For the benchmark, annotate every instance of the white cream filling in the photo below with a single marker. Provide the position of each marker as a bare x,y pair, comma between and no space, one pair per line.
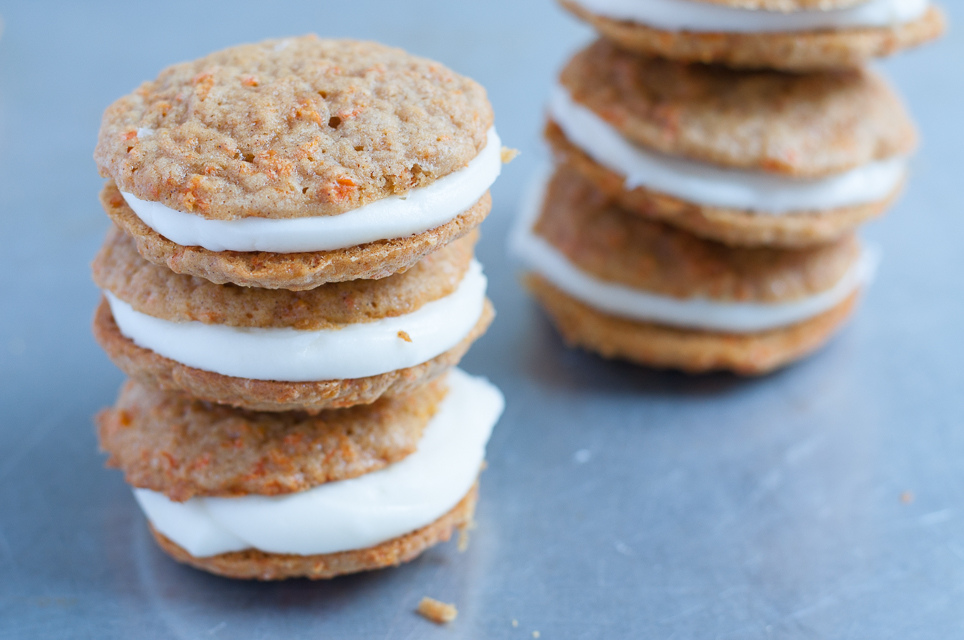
418,211
293,355
348,514
693,313
709,185
695,16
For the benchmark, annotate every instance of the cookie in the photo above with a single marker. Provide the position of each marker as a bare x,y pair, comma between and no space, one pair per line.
627,287
741,157
156,291
251,564
693,351
155,370
291,128
293,163
797,39
183,447
598,237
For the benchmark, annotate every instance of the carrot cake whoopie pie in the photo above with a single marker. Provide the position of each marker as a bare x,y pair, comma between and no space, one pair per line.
745,158
631,288
290,281
791,35
292,163
278,495
336,345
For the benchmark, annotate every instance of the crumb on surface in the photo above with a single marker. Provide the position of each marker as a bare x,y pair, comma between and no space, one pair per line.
515,623
907,497
535,634
404,336
436,611
508,154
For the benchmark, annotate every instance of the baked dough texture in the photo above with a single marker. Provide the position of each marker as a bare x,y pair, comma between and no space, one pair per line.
294,271
159,292
736,227
183,447
799,52
155,370
252,564
692,351
605,241
785,5
805,126
292,128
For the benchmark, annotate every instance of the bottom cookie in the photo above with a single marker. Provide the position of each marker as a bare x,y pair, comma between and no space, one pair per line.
252,564
693,351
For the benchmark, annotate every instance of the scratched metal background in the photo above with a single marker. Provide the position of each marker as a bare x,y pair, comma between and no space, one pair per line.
618,502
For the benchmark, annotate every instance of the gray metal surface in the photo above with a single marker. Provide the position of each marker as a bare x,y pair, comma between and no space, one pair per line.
618,502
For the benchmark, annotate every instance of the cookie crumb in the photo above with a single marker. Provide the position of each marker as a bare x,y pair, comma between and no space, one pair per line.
907,497
508,155
515,623
535,634
437,612
404,336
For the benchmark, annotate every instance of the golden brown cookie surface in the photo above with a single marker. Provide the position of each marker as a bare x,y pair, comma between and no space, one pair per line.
159,292
270,395
292,128
784,5
803,51
803,126
294,271
661,346
252,564
735,227
182,447
613,245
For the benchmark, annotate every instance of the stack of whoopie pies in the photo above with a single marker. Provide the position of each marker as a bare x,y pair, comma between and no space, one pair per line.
289,283
713,159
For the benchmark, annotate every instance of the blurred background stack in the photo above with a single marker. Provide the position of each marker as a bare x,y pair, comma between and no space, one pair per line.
712,163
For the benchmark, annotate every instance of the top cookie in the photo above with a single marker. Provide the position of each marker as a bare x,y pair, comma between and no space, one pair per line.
804,126
292,128
786,5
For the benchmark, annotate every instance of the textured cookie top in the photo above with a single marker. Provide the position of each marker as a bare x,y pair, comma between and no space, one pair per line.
785,5
161,293
800,125
183,448
292,128
617,246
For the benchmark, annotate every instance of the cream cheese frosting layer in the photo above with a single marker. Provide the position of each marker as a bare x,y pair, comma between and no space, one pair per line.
294,355
710,185
619,300
348,514
417,211
706,17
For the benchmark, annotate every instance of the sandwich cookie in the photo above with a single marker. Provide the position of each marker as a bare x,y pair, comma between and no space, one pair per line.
333,346
279,495
744,158
626,287
791,35
293,163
